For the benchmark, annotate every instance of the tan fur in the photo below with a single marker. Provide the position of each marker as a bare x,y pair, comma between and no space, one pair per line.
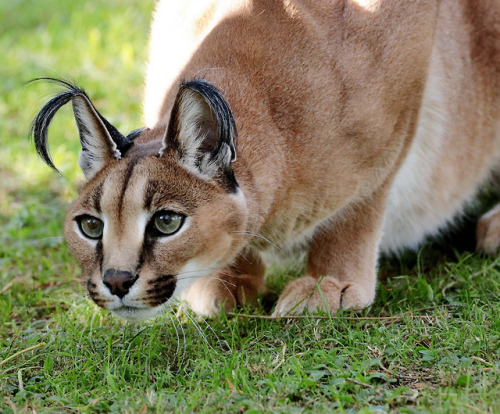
354,118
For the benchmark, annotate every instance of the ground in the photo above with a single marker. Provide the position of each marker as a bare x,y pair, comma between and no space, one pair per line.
430,343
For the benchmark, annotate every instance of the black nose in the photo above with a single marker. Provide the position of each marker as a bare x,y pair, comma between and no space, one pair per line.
118,282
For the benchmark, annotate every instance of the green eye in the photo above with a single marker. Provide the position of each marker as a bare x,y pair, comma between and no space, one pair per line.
167,222
91,227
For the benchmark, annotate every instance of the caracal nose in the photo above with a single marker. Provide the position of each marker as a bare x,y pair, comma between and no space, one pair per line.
119,282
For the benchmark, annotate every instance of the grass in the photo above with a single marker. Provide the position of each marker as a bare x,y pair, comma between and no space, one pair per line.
58,353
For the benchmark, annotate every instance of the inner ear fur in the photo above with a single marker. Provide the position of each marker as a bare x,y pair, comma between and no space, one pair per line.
98,146
202,130
100,141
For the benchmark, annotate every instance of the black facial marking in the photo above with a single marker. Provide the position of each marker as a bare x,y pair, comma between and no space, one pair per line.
128,174
142,257
96,197
98,252
162,279
162,289
148,245
151,190
140,263
163,293
94,295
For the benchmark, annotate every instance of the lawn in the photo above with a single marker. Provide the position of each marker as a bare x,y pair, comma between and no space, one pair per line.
430,343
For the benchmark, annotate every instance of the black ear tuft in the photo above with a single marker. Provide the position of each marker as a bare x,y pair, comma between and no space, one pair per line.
40,125
89,121
135,133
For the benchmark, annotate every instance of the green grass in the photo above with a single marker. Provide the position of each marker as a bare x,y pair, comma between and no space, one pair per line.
88,361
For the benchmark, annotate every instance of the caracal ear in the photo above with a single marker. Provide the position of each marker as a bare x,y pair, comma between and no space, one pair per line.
100,140
202,132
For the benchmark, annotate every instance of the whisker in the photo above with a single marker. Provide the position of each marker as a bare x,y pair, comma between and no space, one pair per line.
229,290
188,277
204,272
260,236
211,329
227,274
208,269
196,276
176,333
198,328
225,281
183,334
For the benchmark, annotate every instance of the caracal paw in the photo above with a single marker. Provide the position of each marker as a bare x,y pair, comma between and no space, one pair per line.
488,232
324,294
209,295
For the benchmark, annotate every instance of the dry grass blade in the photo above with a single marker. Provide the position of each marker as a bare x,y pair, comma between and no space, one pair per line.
31,348
409,314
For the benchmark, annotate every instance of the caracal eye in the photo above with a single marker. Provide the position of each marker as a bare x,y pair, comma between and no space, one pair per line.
91,227
167,222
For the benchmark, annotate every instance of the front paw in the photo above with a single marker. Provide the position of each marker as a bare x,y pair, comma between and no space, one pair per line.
488,232
209,295
328,295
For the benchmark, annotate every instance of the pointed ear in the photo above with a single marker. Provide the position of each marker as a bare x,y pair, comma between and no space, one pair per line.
202,131
100,140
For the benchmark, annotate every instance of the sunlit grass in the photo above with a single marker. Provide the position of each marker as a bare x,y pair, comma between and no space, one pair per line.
102,46
88,361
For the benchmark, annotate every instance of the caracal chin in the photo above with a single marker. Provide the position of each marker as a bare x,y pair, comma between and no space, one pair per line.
346,127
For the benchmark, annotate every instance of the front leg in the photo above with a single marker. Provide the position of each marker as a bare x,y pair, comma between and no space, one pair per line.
225,289
341,267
